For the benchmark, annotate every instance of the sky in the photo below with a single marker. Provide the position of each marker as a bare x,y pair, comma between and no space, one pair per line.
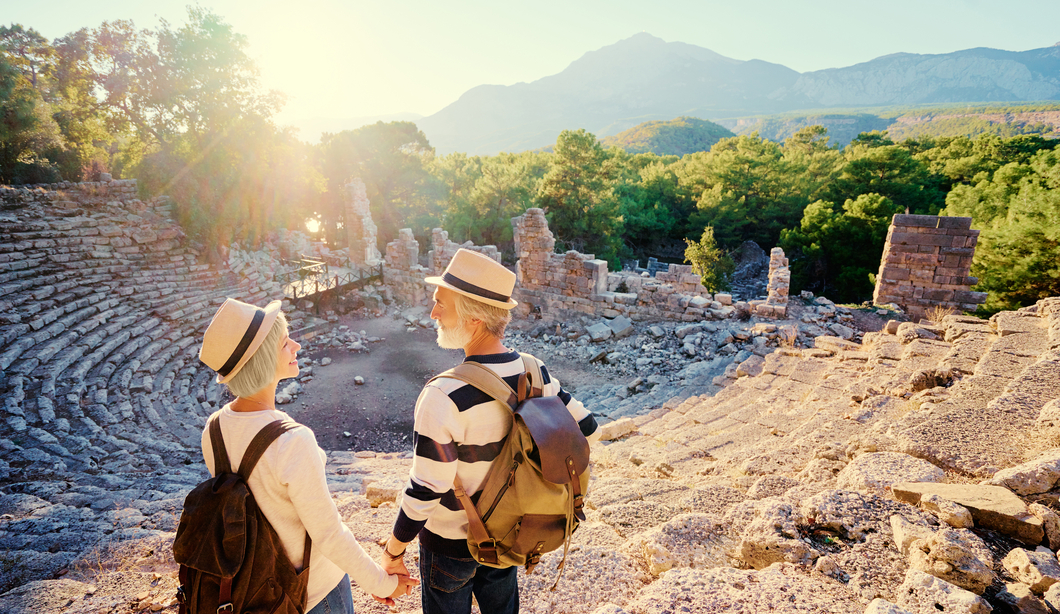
337,60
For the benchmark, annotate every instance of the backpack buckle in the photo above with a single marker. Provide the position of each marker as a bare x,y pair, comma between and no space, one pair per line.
226,607
181,597
488,553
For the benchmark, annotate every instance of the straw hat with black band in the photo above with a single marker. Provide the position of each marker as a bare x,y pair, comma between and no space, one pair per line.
234,334
478,277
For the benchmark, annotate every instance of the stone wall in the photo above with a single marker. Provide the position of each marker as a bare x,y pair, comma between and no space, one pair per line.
443,250
776,303
402,270
570,284
71,195
360,229
925,264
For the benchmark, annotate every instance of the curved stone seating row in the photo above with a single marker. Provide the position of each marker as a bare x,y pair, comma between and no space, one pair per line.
98,341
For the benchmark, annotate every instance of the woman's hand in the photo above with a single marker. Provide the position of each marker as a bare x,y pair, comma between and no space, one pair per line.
404,587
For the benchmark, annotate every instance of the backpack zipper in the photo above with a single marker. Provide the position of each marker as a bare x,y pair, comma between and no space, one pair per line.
504,489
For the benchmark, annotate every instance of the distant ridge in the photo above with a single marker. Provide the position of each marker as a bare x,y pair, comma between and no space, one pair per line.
675,137
644,78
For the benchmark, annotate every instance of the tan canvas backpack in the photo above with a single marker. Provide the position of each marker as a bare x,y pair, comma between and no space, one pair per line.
531,499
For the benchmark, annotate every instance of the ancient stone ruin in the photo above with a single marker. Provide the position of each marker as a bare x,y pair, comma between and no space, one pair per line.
926,263
776,303
360,229
914,471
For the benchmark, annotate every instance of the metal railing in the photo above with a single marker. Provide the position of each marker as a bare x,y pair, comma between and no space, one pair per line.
312,277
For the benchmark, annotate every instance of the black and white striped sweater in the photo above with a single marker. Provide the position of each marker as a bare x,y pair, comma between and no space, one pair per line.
459,430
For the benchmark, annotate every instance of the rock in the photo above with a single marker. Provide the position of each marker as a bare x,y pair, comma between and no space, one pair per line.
1050,522
598,355
621,327
724,299
876,471
613,358
1052,596
891,327
384,490
656,331
772,536
325,361
1038,570
882,606
609,608
945,556
1021,599
1030,478
905,533
358,380
843,332
771,486
750,367
780,588
908,332
992,507
1049,416
947,511
923,592
617,429
688,540
599,332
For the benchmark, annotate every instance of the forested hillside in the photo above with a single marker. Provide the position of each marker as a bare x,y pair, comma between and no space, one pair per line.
677,137
910,122
148,104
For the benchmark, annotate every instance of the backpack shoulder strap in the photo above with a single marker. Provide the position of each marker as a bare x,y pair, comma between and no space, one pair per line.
261,442
533,371
221,464
485,380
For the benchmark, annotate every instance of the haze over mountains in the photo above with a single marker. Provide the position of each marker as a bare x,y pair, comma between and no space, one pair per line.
645,78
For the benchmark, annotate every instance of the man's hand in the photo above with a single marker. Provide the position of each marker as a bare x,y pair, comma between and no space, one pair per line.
390,564
404,587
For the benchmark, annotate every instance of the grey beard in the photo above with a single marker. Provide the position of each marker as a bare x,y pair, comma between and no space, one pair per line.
451,339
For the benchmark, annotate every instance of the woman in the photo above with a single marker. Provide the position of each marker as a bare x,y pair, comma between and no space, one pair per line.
251,351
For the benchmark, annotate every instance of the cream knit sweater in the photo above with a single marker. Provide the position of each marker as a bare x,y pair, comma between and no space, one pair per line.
290,487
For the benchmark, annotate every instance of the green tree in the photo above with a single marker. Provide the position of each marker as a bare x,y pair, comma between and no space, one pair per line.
579,199
392,159
888,170
835,253
748,190
710,262
1018,214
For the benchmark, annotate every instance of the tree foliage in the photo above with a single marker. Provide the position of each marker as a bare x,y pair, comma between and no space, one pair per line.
710,262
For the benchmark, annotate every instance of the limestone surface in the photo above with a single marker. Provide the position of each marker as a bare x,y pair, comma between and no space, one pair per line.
877,471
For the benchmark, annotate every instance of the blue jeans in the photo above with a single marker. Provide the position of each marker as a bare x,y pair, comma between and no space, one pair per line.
447,583
338,601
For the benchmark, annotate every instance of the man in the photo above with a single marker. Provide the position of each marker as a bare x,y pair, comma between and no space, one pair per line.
459,430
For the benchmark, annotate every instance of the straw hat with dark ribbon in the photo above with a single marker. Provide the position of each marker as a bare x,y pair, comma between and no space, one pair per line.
234,334
478,277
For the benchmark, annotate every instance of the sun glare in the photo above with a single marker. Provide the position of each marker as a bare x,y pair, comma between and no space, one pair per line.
313,226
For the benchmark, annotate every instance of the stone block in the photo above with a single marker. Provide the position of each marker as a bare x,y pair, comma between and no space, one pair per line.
993,507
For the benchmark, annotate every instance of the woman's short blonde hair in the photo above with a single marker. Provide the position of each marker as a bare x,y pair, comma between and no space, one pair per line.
493,318
260,370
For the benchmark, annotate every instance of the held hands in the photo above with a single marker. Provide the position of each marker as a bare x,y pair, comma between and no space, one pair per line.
404,587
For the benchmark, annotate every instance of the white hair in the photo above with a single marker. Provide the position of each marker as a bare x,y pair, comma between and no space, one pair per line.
493,318
260,370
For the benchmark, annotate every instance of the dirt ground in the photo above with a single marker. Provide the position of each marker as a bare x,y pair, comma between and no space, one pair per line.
379,414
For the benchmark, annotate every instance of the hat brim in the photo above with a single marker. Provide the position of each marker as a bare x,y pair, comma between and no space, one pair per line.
438,281
271,311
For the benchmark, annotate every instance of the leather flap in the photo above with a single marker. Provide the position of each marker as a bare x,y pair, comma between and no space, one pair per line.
557,437
217,542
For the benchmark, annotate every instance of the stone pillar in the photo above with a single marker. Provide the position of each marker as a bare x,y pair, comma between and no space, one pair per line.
926,263
776,303
360,229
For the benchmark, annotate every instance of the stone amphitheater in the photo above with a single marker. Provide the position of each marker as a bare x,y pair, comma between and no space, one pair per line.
915,471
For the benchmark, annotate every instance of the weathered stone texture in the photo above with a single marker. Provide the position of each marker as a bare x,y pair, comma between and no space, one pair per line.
926,263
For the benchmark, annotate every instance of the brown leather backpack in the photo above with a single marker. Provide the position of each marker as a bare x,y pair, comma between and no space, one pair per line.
531,499
231,559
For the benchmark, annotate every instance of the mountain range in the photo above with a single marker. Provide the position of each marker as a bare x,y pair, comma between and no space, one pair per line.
645,78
